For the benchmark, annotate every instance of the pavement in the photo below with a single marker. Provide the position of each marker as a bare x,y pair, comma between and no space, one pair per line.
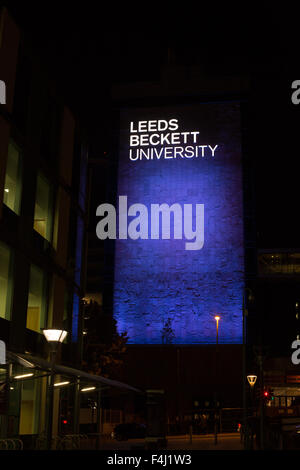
230,441
225,441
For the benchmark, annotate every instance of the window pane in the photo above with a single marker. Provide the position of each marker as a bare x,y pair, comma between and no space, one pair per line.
5,282
12,185
30,406
36,309
43,208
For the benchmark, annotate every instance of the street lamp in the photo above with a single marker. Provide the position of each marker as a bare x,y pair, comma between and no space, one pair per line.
247,297
252,380
54,338
217,318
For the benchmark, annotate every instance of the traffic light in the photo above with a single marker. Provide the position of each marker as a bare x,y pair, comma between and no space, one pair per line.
268,395
64,424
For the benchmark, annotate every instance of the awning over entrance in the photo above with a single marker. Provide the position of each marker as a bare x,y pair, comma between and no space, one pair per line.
33,362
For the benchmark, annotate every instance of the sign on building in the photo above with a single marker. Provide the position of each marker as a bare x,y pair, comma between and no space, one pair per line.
179,249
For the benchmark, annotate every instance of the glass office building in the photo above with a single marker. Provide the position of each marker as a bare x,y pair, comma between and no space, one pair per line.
42,231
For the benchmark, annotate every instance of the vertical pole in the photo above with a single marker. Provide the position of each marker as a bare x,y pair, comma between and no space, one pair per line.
178,390
245,433
191,433
252,413
261,403
76,422
4,433
49,420
216,379
98,439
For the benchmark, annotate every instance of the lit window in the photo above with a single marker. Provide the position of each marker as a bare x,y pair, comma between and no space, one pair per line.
5,281
12,185
36,308
43,212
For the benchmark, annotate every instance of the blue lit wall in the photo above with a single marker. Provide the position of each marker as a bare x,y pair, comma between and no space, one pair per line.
157,280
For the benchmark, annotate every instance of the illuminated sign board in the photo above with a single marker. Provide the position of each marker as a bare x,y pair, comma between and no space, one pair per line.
178,225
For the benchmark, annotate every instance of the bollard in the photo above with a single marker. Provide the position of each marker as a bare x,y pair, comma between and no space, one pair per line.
191,433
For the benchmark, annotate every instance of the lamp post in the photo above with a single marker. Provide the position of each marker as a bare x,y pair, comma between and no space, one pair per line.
247,292
261,403
217,318
252,381
54,338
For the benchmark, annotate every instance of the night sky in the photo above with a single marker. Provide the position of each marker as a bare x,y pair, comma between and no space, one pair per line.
89,49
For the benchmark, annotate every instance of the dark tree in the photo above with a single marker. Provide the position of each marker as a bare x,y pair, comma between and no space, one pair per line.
167,332
104,347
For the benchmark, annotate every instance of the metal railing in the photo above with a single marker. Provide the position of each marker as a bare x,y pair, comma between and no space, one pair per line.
11,444
66,442
72,441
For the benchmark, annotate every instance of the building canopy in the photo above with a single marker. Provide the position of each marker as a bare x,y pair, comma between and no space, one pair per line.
32,362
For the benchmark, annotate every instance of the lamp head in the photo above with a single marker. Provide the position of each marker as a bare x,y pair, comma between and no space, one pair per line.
54,335
251,379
